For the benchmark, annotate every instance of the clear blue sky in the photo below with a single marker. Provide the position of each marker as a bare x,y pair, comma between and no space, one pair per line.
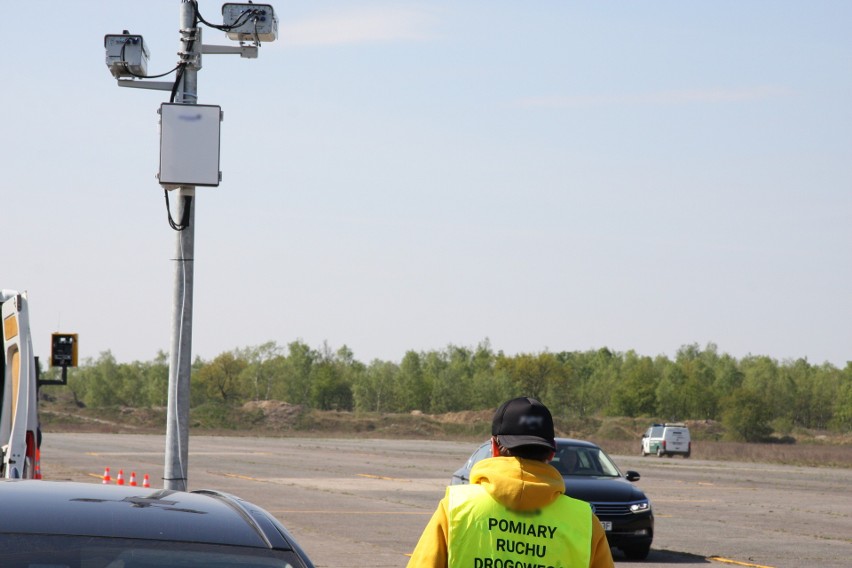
400,175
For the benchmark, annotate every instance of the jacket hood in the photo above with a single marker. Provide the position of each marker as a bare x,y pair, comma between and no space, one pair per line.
518,484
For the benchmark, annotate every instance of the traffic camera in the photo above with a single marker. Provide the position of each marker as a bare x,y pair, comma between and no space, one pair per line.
249,22
126,55
63,350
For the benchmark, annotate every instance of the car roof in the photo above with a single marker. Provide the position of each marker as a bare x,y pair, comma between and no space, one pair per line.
88,509
562,441
573,442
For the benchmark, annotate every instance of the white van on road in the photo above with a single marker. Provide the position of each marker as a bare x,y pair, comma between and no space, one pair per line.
667,440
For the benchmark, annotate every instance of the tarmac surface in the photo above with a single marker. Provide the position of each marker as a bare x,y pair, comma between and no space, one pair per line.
352,502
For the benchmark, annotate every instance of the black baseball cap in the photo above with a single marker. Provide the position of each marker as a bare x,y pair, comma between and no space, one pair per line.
523,421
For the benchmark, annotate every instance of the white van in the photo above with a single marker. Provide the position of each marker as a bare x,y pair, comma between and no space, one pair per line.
667,440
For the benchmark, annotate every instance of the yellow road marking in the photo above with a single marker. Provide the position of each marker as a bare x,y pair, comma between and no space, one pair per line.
382,477
737,562
367,475
686,500
246,477
125,453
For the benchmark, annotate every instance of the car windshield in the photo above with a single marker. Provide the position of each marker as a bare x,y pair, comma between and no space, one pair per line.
52,551
583,461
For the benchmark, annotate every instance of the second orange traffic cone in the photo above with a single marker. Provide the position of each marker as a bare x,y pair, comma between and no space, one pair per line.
107,479
132,479
119,480
145,481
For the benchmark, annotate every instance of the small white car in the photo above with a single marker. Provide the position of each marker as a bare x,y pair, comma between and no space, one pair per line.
667,440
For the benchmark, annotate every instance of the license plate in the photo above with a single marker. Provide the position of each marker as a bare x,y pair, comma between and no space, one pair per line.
607,525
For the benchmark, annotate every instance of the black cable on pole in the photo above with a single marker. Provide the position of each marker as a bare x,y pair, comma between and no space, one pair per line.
129,72
244,17
187,208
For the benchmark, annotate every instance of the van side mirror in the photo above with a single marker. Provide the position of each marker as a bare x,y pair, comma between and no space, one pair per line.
632,475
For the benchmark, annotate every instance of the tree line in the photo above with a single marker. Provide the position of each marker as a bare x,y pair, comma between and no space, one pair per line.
753,396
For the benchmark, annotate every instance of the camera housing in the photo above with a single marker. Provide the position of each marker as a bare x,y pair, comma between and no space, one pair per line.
250,22
126,55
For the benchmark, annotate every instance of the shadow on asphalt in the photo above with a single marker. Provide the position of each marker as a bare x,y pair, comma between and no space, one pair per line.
662,557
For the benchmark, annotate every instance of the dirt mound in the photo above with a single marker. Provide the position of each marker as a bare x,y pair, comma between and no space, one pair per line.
277,415
465,417
705,429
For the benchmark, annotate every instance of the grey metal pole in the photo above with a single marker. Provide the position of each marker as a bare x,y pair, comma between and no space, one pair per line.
180,361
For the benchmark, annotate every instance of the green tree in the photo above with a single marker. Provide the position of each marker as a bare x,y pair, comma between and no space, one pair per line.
415,390
697,366
488,388
602,374
154,377
634,395
672,403
842,407
530,374
728,376
101,380
816,390
260,372
294,374
762,375
746,416
331,381
220,379
449,376
375,390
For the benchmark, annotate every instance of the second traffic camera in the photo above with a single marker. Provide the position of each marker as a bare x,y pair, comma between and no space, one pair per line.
249,22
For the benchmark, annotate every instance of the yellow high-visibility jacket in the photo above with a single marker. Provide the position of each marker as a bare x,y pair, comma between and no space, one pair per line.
518,485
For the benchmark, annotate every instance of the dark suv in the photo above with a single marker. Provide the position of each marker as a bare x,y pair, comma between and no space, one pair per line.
82,525
590,475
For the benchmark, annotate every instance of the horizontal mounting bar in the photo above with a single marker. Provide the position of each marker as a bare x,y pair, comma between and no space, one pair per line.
245,51
154,85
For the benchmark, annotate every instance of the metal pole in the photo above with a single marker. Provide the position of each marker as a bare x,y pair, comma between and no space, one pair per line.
180,361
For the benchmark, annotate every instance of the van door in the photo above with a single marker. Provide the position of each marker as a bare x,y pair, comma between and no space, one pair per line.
677,440
652,440
18,410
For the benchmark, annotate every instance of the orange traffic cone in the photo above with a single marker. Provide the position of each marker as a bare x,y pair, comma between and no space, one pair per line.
120,479
145,481
37,468
132,479
107,478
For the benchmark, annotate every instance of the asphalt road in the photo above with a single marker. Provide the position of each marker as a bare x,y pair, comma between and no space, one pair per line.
364,502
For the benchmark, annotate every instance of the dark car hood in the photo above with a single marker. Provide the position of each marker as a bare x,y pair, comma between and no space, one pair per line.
602,490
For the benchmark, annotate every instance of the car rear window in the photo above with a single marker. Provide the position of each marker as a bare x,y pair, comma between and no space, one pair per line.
53,551
483,452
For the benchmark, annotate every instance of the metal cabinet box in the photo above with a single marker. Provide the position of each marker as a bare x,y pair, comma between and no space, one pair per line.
189,145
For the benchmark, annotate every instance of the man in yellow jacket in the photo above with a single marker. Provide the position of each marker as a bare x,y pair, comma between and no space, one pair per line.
514,513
